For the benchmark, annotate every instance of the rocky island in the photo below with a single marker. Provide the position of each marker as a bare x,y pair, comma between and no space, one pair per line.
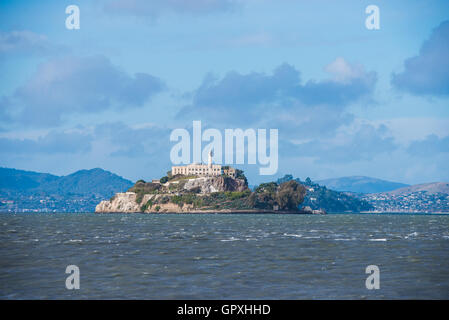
200,188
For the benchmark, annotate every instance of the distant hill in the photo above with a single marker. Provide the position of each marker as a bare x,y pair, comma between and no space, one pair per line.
20,180
80,191
87,182
430,188
361,184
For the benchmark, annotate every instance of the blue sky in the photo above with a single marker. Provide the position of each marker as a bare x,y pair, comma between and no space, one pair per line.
346,100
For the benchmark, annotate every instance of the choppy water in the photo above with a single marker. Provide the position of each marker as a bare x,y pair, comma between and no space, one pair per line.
223,256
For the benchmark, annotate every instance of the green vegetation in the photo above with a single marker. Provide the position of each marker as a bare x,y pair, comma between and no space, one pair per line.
181,177
192,199
215,200
286,196
147,205
319,197
142,188
290,195
240,175
234,195
269,187
164,179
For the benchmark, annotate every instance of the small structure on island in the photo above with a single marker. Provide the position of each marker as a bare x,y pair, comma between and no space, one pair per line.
200,169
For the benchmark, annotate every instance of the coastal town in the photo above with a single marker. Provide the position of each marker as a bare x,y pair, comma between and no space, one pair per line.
414,202
48,203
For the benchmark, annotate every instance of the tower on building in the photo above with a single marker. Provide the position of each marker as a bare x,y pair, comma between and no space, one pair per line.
209,162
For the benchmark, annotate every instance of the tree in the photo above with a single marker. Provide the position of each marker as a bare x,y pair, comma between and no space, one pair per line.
285,178
290,195
267,187
164,179
240,175
266,195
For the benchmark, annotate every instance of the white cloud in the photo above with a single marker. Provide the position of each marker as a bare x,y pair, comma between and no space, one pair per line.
343,71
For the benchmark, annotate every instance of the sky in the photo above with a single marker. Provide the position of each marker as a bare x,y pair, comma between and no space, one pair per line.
346,100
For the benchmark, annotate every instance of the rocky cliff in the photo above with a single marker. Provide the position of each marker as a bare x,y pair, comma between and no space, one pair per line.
127,202
215,184
121,202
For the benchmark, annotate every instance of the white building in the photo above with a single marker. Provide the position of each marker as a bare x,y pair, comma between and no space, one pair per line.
200,169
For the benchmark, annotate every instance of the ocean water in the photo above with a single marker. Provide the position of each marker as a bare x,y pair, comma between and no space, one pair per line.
217,256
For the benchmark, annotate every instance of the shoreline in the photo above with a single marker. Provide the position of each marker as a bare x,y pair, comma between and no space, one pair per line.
249,211
232,212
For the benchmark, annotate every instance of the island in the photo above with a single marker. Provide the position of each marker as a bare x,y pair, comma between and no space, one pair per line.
207,188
